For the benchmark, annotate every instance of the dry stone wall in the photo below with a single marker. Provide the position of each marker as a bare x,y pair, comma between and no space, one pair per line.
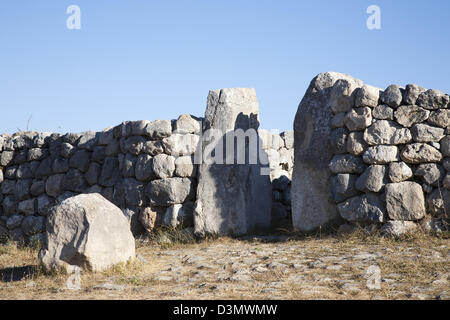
145,168
280,151
389,155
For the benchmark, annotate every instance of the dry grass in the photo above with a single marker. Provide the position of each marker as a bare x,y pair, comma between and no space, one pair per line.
406,260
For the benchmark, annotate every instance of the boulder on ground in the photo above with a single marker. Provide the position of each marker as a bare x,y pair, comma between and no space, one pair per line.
86,231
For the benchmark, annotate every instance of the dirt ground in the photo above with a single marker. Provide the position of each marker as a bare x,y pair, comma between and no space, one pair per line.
264,267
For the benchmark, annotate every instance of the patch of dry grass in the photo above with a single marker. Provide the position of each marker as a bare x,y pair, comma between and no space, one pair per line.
404,259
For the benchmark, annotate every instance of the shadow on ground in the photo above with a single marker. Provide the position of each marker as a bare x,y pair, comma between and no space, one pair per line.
17,273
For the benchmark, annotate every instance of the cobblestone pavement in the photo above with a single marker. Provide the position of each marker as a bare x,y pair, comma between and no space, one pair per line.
261,269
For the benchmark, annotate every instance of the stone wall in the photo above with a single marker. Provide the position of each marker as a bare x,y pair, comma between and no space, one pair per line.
145,168
388,153
280,151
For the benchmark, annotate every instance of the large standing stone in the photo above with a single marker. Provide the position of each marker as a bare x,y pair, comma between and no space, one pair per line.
312,206
405,201
338,140
232,199
345,163
343,94
89,232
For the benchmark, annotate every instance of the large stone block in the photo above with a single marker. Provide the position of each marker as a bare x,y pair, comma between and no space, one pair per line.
86,231
312,206
232,199
405,201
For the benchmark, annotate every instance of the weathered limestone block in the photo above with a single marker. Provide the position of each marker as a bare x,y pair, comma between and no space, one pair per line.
144,168
416,153
342,187
232,199
345,163
410,115
411,93
438,203
165,192
355,143
367,96
181,144
392,96
343,94
396,229
386,132
86,231
184,167
405,201
163,166
426,133
365,208
430,173
433,99
188,124
158,129
372,180
358,118
440,118
288,137
151,217
381,154
399,171
383,112
312,206
445,146
339,140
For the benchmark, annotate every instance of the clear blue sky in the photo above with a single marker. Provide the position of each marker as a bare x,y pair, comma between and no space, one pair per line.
136,59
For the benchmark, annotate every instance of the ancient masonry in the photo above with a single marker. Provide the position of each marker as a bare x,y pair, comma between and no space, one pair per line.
362,156
371,156
145,168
